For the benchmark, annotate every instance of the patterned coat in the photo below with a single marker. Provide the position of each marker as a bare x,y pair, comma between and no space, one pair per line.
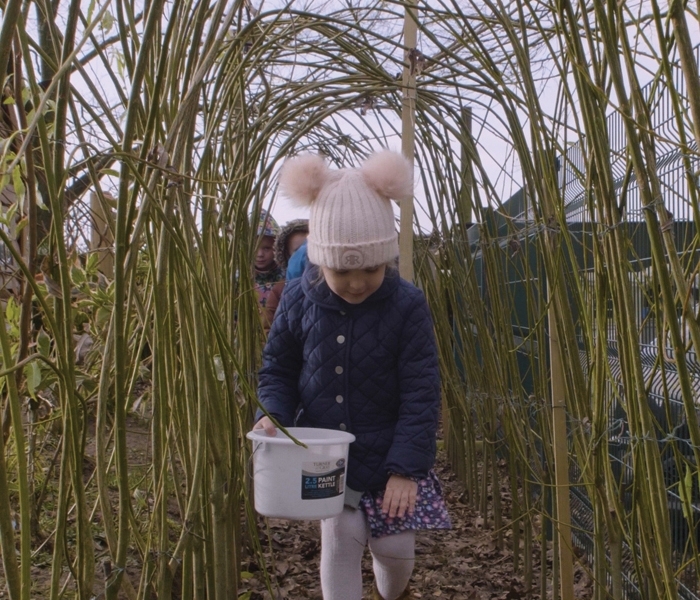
269,286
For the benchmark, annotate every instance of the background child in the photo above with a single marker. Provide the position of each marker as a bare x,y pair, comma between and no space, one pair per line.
290,237
352,348
297,263
269,277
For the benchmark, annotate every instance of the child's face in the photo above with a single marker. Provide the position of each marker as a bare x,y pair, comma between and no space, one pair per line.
294,241
265,256
354,285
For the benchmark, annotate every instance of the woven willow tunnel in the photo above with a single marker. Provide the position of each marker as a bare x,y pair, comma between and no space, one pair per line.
553,230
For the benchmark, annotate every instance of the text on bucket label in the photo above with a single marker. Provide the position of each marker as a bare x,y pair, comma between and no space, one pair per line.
322,479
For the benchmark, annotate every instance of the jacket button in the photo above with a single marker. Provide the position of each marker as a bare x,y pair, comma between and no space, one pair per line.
342,312
339,370
343,426
339,399
341,339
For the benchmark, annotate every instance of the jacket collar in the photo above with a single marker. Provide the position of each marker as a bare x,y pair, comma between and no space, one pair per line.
316,289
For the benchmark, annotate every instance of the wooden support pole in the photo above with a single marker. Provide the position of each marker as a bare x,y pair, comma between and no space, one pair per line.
561,461
408,114
544,165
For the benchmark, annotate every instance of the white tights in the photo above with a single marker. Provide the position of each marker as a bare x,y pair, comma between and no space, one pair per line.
343,541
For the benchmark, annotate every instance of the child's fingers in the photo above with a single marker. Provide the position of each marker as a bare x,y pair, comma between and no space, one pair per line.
401,506
399,497
389,503
410,503
266,424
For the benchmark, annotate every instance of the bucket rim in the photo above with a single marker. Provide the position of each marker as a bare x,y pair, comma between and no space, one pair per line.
335,436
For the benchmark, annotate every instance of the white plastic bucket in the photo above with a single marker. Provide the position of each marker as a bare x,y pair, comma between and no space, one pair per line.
293,482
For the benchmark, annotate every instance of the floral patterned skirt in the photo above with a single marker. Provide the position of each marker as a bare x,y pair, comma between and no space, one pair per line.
430,511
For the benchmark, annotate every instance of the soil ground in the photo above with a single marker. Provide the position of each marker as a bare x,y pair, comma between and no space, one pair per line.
465,563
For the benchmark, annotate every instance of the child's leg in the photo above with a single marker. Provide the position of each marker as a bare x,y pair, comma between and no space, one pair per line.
343,541
393,559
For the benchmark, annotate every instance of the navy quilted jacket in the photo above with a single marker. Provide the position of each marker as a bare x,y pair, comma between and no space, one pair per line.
370,369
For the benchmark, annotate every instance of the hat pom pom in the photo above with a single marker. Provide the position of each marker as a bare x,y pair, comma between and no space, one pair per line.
302,178
390,174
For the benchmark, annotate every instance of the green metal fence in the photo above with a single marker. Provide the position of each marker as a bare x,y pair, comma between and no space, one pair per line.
514,228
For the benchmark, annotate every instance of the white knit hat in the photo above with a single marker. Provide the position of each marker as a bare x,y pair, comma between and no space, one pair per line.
351,222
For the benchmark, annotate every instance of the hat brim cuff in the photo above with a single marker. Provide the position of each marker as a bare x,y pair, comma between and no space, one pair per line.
342,257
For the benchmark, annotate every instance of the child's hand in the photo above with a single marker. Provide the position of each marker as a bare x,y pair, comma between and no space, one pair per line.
399,496
266,424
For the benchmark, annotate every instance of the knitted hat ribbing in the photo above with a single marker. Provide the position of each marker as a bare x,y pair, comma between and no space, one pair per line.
351,221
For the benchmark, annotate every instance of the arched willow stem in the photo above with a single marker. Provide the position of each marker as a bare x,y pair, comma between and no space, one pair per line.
551,211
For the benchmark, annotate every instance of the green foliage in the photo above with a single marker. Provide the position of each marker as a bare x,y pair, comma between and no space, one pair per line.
32,375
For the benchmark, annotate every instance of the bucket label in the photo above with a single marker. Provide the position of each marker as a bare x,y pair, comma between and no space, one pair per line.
322,479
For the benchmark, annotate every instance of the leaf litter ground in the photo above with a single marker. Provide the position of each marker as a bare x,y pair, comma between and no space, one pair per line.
464,563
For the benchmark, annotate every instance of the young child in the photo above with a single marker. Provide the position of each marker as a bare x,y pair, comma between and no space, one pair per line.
290,237
352,348
269,277
297,263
